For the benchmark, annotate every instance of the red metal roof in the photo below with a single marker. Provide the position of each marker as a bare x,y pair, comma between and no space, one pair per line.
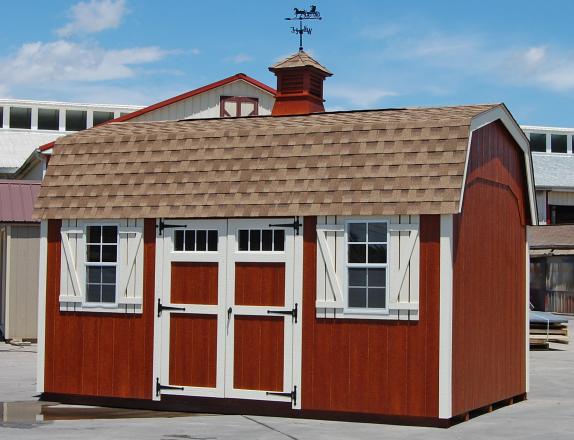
206,88
17,199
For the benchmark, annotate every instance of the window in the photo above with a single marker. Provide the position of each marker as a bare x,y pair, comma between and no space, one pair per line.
1,117
101,263
20,117
257,240
538,142
48,119
101,117
234,106
76,120
558,143
367,265
195,240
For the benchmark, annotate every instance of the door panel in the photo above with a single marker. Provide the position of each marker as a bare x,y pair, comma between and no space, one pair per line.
194,282
258,353
193,350
260,284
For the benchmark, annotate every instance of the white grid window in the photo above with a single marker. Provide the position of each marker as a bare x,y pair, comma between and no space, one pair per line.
195,240
258,240
101,263
367,244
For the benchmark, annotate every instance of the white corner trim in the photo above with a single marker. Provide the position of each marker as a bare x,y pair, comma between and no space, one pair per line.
527,324
501,113
42,307
7,287
445,324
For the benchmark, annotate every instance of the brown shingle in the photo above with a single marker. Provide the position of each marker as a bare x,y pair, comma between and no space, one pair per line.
385,162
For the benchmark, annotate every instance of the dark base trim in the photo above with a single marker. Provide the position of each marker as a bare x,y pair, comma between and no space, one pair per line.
260,408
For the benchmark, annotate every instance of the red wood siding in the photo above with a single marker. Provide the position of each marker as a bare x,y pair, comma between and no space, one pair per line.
489,274
260,284
370,366
194,283
104,355
193,350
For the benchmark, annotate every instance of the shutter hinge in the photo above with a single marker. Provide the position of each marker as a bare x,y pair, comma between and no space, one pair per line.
159,387
163,225
292,394
295,225
161,308
293,312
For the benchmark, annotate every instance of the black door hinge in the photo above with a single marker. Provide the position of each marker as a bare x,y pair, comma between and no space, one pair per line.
293,312
159,387
292,394
163,225
295,225
161,308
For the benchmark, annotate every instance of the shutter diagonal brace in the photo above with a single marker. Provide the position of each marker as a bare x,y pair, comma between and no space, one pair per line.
330,266
399,279
131,264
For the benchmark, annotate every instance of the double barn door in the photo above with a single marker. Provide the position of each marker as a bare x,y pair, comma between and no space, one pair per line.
227,310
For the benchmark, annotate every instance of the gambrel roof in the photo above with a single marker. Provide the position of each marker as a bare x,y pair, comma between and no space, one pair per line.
383,162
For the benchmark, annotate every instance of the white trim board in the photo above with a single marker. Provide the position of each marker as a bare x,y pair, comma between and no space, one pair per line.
445,323
42,306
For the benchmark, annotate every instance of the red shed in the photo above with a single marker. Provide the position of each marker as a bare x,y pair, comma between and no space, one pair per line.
367,265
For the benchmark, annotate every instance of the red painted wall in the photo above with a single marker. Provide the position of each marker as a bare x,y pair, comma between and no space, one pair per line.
489,274
97,354
369,366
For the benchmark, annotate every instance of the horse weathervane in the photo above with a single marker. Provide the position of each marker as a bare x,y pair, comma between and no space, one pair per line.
302,14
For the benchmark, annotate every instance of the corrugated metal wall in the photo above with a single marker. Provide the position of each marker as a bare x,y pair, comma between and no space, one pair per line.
22,282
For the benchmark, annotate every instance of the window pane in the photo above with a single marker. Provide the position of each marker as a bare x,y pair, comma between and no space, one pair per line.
378,232
20,117
109,275
201,241
377,253
267,240
243,239
48,119
357,232
254,240
358,277
212,241
109,253
76,120
109,234
279,240
178,240
1,116
357,253
376,299
101,117
377,277
93,293
94,234
558,143
93,253
94,274
108,293
357,297
538,141
190,240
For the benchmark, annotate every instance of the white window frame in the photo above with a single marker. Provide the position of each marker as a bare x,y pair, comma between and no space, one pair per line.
260,251
104,305
345,275
185,229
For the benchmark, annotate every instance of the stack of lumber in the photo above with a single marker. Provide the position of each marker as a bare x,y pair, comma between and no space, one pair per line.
546,328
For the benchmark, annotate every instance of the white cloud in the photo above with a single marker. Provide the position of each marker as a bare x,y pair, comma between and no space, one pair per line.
240,58
364,97
94,16
64,61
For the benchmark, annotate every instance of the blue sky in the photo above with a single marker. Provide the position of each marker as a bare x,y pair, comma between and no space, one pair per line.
382,53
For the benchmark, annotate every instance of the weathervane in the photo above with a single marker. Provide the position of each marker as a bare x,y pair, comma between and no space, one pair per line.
302,14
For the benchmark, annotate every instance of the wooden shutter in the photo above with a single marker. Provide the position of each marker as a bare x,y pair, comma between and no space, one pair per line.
404,270
72,264
130,265
330,238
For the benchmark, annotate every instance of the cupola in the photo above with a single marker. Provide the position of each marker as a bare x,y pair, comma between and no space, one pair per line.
299,85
